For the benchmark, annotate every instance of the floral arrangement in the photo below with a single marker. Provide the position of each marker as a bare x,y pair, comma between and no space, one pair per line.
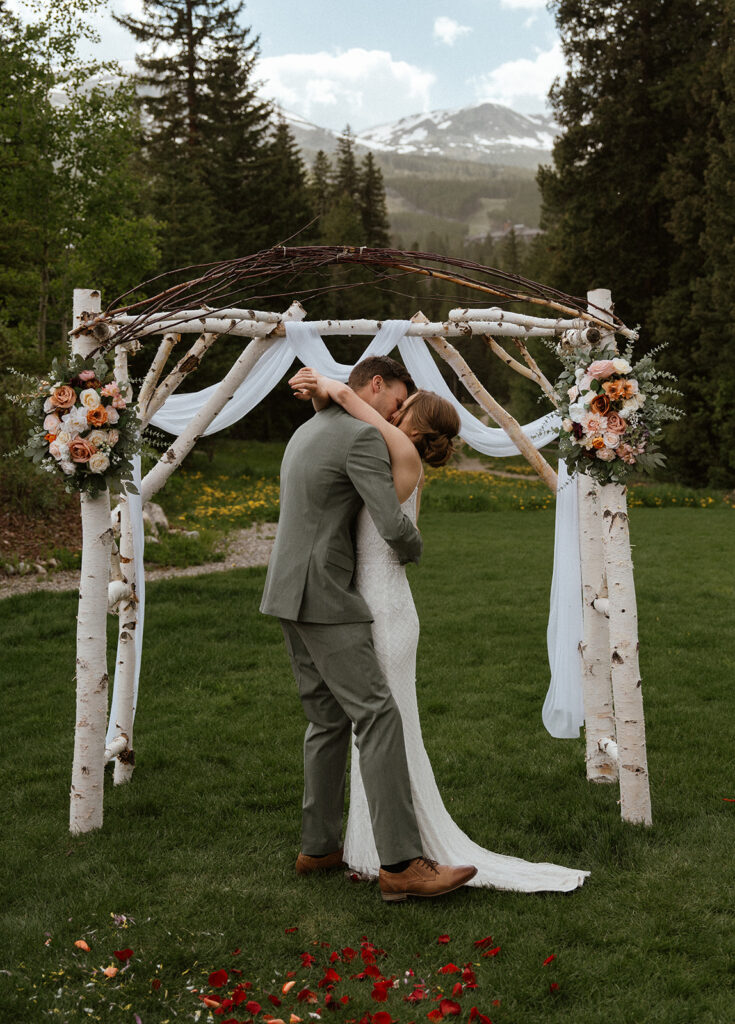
83,426
612,414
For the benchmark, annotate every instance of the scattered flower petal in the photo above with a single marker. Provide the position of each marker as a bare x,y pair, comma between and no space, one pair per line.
492,952
123,955
81,944
443,940
483,943
449,969
218,978
286,988
110,972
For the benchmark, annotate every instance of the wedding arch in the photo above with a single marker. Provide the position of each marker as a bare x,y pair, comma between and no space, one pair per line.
592,634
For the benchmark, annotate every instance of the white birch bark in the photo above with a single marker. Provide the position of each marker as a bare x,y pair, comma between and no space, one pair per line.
87,780
630,730
600,304
127,614
186,365
599,719
539,377
155,370
486,401
257,329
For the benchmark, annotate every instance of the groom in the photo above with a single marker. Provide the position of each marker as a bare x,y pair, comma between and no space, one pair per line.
333,465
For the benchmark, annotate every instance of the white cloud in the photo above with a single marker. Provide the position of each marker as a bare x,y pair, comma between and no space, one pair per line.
527,4
447,30
522,84
357,87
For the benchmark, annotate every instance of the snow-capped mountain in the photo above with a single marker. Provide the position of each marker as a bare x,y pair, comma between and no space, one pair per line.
488,133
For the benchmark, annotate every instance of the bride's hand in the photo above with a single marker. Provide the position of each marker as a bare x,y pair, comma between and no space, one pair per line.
308,384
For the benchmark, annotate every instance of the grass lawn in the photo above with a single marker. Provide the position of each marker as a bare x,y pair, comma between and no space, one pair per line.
193,870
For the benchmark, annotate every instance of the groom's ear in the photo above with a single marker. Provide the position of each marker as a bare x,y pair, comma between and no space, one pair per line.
377,383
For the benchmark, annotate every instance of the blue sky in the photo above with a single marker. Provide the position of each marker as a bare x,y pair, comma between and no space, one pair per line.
367,62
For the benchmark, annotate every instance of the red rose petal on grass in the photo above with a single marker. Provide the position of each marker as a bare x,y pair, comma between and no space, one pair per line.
483,943
420,992
290,931
449,1008
307,960
479,1017
457,990
435,1015
275,1000
469,978
307,996
449,969
492,952
348,953
553,987
443,940
383,1017
253,1007
729,799
236,952
156,984
380,990
123,955
549,959
218,978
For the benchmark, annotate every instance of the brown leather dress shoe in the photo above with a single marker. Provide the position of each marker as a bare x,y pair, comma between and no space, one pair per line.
306,865
424,877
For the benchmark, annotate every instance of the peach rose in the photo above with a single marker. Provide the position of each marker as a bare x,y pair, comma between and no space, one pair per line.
63,397
97,417
601,369
90,398
615,423
118,401
112,414
113,436
600,404
97,437
611,440
57,450
52,423
86,375
606,455
81,450
111,389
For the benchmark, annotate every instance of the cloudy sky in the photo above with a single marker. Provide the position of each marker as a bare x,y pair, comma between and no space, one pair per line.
366,62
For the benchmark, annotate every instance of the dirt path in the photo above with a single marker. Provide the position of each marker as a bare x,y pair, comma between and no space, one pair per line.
245,549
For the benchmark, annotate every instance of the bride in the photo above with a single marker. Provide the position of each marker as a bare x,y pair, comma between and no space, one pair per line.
422,428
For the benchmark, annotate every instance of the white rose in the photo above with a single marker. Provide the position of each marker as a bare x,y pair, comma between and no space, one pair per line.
75,420
68,467
90,398
577,411
48,406
97,437
65,436
566,425
605,454
611,440
622,366
98,462
52,423
112,414
573,392
113,436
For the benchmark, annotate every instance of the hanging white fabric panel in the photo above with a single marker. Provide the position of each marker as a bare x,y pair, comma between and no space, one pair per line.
305,344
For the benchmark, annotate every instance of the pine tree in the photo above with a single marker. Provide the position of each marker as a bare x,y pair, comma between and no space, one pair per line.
373,205
320,183
205,126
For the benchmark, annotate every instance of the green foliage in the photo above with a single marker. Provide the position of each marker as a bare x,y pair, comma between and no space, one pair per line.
638,198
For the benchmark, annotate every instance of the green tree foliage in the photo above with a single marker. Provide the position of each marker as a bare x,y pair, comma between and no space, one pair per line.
204,127
70,191
635,202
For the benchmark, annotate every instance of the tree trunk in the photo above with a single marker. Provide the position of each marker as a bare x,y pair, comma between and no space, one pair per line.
126,662
87,778
599,720
635,797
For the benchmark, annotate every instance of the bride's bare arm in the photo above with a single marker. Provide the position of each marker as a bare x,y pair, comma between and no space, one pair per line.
308,383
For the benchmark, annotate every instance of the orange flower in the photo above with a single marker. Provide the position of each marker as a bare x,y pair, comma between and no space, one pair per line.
597,443
614,389
81,450
628,388
97,417
600,404
50,437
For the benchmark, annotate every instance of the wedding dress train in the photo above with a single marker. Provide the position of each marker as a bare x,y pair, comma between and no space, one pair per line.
381,580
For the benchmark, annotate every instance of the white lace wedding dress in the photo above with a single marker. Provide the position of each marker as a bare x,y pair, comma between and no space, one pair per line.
381,580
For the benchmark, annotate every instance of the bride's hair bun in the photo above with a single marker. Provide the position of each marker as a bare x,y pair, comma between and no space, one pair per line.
437,422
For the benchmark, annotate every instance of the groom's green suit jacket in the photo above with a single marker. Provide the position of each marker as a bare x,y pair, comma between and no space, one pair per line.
332,465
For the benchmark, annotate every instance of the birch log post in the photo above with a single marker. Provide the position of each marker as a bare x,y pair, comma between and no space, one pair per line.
630,729
87,780
594,650
127,615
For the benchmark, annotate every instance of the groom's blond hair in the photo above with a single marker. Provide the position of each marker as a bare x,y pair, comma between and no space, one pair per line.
380,366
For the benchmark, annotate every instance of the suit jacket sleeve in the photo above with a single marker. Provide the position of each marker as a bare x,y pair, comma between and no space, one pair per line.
368,467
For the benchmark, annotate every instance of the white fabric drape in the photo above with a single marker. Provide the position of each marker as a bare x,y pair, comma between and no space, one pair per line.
304,343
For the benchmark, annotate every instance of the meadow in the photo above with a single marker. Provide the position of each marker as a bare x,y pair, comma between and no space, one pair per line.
187,897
